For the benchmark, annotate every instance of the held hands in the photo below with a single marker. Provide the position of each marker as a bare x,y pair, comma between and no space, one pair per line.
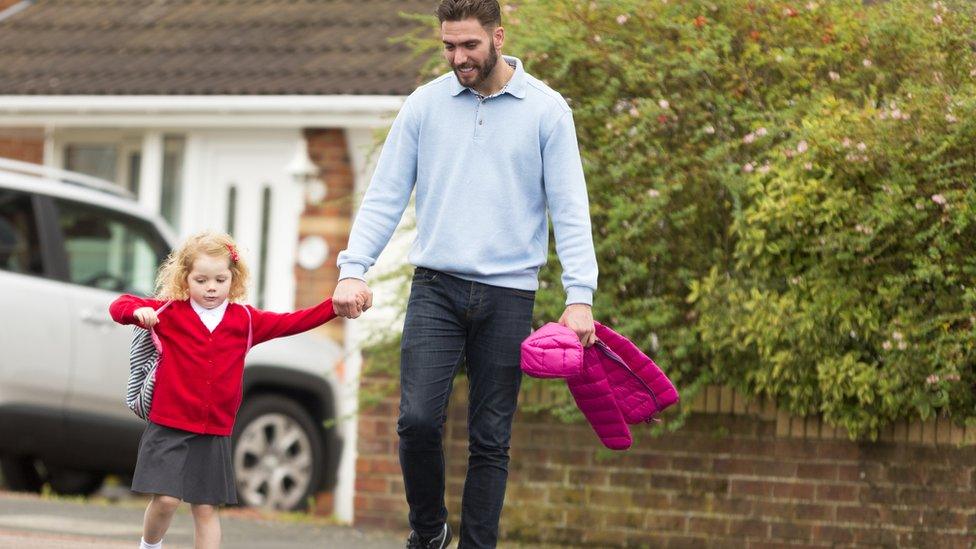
352,297
146,316
578,317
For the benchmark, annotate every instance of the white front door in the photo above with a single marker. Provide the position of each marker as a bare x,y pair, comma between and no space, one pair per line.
246,192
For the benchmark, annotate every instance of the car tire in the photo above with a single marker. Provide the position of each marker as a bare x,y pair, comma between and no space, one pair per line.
277,454
68,482
20,474
28,474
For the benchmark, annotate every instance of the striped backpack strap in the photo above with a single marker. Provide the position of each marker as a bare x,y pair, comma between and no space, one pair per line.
144,354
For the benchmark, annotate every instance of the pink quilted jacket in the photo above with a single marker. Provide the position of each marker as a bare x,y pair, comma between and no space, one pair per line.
613,382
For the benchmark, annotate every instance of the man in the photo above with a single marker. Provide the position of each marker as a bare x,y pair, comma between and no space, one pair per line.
488,149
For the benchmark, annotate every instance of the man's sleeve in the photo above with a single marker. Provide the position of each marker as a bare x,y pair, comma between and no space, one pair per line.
569,207
385,199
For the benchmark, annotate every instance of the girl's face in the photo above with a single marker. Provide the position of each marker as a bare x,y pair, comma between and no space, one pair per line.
209,280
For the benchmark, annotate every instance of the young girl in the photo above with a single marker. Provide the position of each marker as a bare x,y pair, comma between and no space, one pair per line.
185,452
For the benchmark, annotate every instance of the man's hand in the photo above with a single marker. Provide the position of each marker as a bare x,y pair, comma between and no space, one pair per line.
351,298
578,317
146,316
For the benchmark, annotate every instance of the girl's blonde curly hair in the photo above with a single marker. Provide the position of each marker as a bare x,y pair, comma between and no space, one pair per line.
171,281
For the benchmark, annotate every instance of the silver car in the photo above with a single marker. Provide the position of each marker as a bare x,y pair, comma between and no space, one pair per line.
69,244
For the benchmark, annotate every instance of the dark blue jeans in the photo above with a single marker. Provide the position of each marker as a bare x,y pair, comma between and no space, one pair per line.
449,320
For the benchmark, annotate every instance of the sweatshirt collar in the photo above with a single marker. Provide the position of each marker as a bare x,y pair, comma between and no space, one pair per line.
515,86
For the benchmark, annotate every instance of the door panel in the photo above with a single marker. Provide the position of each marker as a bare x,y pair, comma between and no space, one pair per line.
250,195
106,253
35,326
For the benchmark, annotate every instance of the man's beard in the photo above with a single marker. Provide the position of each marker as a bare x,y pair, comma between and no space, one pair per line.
482,71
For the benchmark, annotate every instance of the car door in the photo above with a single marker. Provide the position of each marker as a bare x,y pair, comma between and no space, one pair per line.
105,253
35,327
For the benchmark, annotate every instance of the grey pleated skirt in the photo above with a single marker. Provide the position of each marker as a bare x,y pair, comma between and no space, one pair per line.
192,467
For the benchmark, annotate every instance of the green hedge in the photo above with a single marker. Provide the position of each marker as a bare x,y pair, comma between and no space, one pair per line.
782,192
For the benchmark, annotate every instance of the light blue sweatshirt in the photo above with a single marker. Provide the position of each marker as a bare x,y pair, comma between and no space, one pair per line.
486,170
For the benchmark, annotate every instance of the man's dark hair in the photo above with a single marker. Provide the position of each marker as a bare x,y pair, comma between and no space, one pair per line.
486,11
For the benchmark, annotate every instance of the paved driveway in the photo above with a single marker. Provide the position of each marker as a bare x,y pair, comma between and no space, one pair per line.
31,522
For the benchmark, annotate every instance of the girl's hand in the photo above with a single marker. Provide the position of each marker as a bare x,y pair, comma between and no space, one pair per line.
146,316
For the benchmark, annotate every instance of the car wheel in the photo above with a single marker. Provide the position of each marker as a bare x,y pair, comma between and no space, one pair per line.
20,474
278,458
69,482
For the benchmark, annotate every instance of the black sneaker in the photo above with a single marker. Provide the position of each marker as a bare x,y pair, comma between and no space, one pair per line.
440,541
413,541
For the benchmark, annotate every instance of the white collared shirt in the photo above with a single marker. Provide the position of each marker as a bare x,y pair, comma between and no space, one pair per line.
210,317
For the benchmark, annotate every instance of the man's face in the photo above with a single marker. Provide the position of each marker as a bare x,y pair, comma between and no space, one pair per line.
470,50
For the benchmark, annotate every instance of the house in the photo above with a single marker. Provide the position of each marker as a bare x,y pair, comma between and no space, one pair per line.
252,116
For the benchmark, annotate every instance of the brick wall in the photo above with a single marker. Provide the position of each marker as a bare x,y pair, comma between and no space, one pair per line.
21,145
737,475
379,500
331,220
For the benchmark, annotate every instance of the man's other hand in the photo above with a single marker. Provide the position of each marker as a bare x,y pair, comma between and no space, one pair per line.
578,317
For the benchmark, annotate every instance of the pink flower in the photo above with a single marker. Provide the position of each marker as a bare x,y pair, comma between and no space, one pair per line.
664,104
653,193
861,146
749,138
802,147
622,18
886,345
950,118
834,76
761,132
748,167
932,379
937,19
808,166
764,168
634,112
867,62
939,199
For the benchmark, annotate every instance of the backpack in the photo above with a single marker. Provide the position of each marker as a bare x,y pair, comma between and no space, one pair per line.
144,355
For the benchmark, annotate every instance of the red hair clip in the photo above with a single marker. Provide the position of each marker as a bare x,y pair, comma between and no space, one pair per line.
233,253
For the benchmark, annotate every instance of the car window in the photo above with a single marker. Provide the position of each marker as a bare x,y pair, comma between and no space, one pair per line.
109,250
20,249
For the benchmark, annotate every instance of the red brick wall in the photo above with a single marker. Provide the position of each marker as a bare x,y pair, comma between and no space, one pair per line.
21,147
736,475
379,500
332,220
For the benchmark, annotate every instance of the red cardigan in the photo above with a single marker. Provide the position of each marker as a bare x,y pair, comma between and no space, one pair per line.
199,379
